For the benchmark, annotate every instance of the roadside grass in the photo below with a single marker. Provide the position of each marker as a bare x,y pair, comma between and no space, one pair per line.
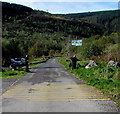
104,78
37,61
7,74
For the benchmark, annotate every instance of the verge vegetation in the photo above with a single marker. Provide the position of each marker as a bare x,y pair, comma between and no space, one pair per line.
104,78
8,74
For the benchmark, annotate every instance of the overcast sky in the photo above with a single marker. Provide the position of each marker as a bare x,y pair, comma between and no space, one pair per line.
68,6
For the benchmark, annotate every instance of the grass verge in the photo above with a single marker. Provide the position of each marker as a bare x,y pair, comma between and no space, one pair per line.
104,78
7,74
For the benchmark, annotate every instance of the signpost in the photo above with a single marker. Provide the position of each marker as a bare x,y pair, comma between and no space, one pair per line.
76,42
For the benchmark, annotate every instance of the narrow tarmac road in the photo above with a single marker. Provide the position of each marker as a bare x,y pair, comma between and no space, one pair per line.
51,88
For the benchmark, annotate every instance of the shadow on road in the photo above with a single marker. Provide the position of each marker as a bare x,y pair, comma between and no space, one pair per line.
45,67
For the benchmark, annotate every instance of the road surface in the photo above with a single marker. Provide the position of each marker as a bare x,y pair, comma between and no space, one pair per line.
51,88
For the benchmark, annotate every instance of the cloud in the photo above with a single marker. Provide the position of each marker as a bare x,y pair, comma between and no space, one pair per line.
67,7
74,7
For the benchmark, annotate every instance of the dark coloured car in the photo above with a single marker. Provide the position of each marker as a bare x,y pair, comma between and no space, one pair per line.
16,62
20,61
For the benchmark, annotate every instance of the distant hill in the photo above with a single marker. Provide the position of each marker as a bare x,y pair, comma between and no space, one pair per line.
107,18
45,22
10,10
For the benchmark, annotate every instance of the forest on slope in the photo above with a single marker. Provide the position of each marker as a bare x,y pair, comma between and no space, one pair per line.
38,33
109,19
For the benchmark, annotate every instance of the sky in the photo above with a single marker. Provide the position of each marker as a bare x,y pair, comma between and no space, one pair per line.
68,6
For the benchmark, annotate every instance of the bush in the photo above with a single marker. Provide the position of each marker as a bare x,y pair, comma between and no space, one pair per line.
91,50
111,52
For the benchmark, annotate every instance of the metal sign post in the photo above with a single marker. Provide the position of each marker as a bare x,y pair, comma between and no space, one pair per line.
76,43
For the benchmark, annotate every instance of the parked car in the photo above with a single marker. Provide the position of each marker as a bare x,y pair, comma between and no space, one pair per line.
21,61
16,62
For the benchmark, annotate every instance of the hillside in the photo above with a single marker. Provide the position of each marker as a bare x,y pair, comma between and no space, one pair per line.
109,19
39,33
45,22
14,11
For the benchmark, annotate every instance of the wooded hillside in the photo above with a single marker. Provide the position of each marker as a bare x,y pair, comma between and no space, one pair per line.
39,33
109,19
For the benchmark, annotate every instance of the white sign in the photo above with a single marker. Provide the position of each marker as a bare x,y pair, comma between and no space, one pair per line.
76,42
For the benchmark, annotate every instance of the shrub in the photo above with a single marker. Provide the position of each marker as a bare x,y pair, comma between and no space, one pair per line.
91,50
111,52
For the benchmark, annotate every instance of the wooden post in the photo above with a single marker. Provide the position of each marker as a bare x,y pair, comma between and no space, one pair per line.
26,60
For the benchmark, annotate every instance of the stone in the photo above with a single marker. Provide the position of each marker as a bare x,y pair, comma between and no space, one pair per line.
112,63
91,64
